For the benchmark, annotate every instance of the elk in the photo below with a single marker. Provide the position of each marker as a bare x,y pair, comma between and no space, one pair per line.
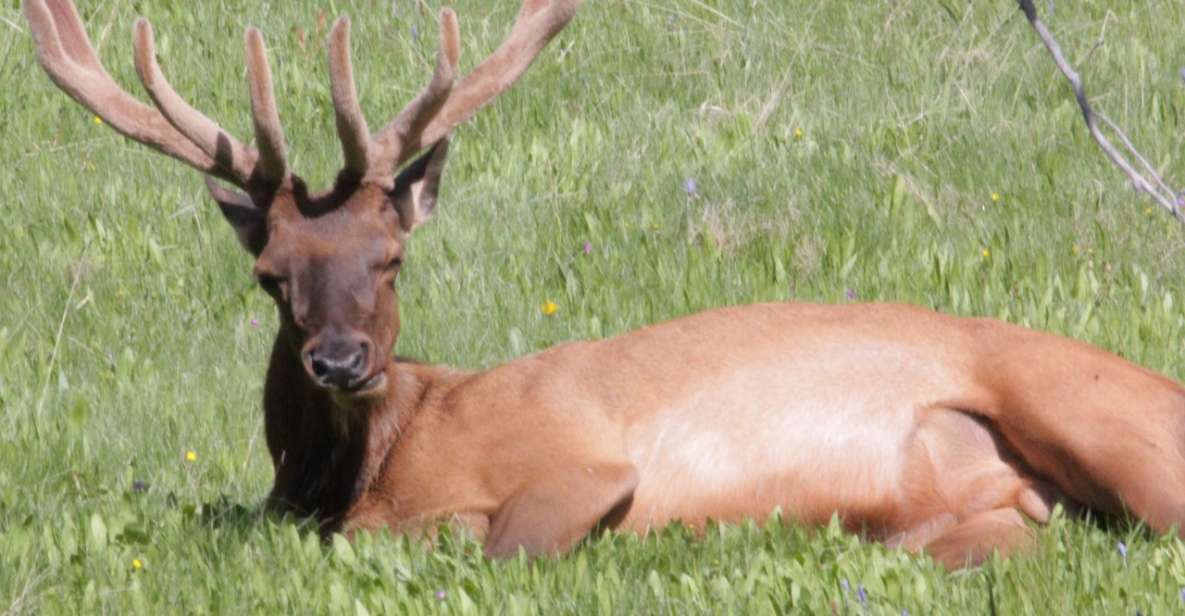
926,431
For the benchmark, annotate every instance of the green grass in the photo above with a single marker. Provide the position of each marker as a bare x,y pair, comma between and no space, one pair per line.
126,321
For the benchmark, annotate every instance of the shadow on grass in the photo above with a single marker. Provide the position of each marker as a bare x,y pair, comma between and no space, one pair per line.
226,514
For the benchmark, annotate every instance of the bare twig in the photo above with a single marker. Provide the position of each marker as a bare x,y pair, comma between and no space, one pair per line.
1156,188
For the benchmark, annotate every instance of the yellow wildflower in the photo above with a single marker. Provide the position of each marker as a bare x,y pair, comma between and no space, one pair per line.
137,564
98,120
995,197
798,134
987,253
548,308
191,456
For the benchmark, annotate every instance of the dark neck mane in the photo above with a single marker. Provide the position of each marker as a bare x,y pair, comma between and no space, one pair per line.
327,451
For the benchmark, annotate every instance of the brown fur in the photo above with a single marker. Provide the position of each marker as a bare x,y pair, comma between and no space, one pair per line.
923,430
566,427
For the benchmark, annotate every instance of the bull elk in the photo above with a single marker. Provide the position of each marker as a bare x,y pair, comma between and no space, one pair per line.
919,429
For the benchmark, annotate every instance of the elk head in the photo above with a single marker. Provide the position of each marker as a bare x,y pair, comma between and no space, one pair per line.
329,259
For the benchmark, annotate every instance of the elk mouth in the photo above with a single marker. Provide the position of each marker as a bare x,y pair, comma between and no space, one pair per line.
371,387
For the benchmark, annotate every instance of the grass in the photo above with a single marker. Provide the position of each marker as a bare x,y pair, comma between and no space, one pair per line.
710,152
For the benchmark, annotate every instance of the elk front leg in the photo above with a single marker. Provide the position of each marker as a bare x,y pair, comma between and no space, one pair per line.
550,514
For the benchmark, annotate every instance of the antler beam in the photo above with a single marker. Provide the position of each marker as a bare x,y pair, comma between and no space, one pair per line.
172,127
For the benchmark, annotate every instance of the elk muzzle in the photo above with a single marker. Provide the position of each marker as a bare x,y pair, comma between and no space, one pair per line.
341,361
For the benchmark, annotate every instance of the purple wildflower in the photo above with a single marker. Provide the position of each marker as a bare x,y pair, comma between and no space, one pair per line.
587,247
904,612
862,596
254,322
415,33
440,594
1182,594
844,584
850,293
691,187
1122,547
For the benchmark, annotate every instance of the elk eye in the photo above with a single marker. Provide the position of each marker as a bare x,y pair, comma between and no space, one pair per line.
394,264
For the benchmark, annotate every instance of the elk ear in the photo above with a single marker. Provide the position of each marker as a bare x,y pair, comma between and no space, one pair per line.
248,220
416,187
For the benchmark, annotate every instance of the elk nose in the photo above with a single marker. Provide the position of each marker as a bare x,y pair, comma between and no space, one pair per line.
342,366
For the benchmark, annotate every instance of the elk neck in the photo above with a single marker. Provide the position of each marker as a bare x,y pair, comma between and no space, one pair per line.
326,448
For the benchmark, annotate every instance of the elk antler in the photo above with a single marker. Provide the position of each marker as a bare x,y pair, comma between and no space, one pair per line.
360,156
177,129
173,127
441,106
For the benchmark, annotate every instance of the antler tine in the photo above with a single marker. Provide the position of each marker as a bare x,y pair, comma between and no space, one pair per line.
75,41
534,28
228,152
269,134
66,54
351,124
401,134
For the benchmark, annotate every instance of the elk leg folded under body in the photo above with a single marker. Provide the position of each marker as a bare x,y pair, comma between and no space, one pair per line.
553,513
973,540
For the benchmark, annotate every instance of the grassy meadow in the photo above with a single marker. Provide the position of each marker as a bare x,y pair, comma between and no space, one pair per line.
661,157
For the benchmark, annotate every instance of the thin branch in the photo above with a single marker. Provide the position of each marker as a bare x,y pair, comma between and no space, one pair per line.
1136,153
1157,188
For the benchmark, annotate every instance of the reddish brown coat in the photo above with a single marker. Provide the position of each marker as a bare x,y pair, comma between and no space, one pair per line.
919,429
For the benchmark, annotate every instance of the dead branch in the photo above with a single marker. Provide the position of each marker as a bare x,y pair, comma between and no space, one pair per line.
1155,187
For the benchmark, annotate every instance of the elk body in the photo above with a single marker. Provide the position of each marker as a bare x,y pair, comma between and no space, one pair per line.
919,429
